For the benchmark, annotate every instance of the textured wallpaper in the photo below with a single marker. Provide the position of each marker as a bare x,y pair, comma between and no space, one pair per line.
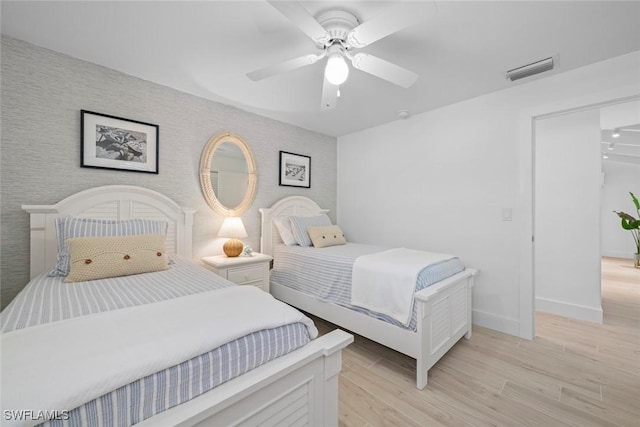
42,93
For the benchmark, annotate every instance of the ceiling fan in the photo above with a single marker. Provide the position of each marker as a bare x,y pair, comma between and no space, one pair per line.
336,33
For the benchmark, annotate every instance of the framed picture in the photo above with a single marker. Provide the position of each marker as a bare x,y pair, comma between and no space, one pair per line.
110,142
295,170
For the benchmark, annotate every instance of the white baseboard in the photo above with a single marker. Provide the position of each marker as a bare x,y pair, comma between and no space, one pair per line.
497,323
617,254
573,311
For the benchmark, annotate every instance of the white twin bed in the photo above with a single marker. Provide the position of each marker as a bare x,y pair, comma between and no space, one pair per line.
318,281
157,348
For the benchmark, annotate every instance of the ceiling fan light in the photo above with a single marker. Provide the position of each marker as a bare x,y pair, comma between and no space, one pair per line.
337,69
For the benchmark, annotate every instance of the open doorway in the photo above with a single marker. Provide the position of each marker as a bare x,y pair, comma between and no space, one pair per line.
620,148
581,170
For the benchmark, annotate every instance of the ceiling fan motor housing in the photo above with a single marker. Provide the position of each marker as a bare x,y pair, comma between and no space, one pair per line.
338,23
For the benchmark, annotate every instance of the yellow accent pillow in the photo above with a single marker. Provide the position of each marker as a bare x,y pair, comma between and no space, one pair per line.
101,257
326,236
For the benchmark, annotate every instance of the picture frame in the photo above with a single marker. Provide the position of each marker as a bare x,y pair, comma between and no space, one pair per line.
295,170
110,142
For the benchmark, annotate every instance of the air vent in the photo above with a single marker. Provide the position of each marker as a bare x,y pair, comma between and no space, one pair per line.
530,70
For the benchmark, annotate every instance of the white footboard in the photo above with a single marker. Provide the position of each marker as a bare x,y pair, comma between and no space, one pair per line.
444,316
301,387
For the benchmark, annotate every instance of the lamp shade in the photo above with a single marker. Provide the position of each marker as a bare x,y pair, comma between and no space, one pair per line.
232,227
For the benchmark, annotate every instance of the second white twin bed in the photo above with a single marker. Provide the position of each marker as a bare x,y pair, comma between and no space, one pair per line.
319,281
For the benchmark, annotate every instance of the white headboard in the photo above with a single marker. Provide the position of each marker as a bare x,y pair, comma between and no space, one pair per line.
119,202
290,206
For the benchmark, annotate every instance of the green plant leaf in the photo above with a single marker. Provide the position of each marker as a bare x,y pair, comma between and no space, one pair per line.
630,225
625,215
635,201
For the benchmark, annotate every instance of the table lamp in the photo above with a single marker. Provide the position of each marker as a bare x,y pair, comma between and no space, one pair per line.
233,228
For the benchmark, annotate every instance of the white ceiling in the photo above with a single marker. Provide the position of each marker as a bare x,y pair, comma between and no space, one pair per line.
625,118
625,148
460,49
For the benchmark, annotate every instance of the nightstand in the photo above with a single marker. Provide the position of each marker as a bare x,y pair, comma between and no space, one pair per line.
242,270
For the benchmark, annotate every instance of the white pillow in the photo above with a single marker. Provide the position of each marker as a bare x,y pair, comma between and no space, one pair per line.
284,228
300,224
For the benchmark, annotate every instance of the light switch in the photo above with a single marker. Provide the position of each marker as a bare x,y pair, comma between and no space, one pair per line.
507,214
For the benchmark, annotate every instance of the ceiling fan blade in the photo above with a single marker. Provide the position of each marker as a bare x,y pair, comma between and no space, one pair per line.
398,18
297,14
283,67
329,96
384,69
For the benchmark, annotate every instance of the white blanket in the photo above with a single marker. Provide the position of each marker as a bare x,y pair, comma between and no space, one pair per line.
385,281
62,365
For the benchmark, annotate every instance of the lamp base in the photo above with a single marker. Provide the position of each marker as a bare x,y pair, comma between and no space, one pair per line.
232,247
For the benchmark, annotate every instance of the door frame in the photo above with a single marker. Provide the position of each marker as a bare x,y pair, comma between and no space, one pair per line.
526,201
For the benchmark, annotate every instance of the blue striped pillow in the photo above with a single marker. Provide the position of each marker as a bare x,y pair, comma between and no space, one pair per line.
69,227
300,224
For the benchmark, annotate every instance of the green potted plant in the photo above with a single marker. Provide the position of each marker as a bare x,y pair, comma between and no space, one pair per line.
632,224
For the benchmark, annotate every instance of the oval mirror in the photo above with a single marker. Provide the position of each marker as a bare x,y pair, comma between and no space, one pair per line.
228,174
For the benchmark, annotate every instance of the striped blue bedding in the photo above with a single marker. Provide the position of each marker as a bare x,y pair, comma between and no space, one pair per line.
325,273
49,299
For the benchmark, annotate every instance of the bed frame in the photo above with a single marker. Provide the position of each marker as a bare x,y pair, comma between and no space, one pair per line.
301,385
444,309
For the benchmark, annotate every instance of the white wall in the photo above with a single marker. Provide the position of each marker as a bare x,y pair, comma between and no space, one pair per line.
619,115
567,215
440,179
619,179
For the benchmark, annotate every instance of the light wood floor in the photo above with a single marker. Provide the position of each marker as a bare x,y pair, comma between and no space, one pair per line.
574,373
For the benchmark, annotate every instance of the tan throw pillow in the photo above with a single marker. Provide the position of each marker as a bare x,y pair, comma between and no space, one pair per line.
101,257
326,236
